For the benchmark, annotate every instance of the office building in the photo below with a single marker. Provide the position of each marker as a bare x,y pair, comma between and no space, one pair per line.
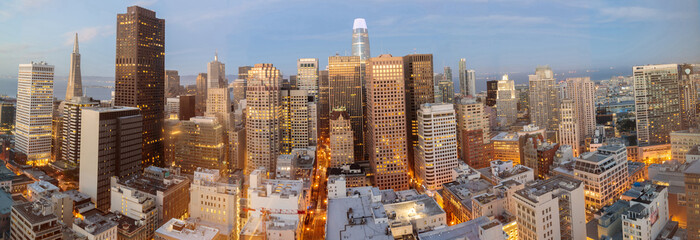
418,77
132,203
473,132
582,91
187,106
71,128
263,120
243,72
467,79
141,39
386,114
34,220
604,174
360,39
436,153
201,145
75,80
415,216
648,213
506,147
346,214
216,74
491,93
660,102
298,120
506,102
551,209
539,156
110,145
214,200
172,83
7,116
95,226
307,76
201,94
544,100
341,141
238,91
445,89
324,109
345,90
172,107
692,194
34,112
682,142
569,128
58,202
176,229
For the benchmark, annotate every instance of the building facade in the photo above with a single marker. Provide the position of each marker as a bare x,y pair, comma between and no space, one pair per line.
34,112
436,153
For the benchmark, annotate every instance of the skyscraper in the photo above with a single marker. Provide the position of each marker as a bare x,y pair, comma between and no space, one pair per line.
569,128
692,192
216,74
445,91
386,113
418,80
110,145
341,141
201,146
218,97
360,39
323,107
544,100
243,72
75,81
71,127
491,93
582,91
658,102
201,94
467,79
264,117
140,69
436,153
473,132
307,75
345,90
238,91
172,83
297,111
34,112
506,102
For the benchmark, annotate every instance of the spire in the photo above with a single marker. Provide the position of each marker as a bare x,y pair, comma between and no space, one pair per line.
75,44
216,55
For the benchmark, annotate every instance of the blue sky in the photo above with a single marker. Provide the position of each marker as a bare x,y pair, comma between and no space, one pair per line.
494,36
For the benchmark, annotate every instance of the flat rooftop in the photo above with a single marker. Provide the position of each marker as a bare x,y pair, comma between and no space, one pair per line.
541,187
180,229
354,218
466,230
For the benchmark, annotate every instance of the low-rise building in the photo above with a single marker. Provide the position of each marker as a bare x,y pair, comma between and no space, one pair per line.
354,174
214,201
648,211
605,175
481,228
34,220
176,229
360,216
501,171
457,198
96,226
415,216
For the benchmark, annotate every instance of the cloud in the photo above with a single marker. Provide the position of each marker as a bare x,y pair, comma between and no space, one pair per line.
630,14
88,34
8,8
145,3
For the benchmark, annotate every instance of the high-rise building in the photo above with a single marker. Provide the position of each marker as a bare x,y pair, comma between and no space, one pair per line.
172,83
216,74
341,141
298,107
7,116
264,118
386,113
551,209
544,100
110,145
418,78
467,79
692,193
345,90
215,201
201,145
360,39
187,107
473,131
201,94
506,102
172,107
71,128
445,92
648,214
75,80
243,72
307,75
582,91
491,92
569,128
661,93
238,91
604,174
140,69
34,112
436,153
324,109
539,156
172,130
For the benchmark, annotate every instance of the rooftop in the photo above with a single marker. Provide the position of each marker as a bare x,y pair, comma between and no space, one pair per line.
466,230
35,212
421,207
506,136
95,223
179,229
355,218
538,188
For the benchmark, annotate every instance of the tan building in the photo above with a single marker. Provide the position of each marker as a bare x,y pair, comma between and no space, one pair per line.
473,132
297,130
386,113
506,147
692,193
33,120
345,90
34,220
263,120
201,145
341,144
214,200
682,142
569,128
506,102
544,102
582,91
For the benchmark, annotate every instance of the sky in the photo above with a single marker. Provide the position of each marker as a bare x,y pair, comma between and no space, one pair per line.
495,36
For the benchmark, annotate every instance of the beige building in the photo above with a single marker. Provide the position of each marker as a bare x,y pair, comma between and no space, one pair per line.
604,174
682,142
297,130
551,209
506,102
341,142
569,128
201,145
544,102
307,75
582,91
33,114
473,132
345,75
436,153
263,120
506,147
214,200
386,113
70,132
176,229
34,220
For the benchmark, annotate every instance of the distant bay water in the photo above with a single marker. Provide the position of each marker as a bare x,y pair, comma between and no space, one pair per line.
95,87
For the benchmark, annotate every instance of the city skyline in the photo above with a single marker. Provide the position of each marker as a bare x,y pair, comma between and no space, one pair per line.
502,36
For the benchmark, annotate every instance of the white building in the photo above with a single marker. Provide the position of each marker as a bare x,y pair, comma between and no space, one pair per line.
341,139
506,102
569,128
214,201
34,112
135,204
96,226
419,215
71,127
436,153
551,209
648,212
176,229
172,107
502,171
307,76
604,174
